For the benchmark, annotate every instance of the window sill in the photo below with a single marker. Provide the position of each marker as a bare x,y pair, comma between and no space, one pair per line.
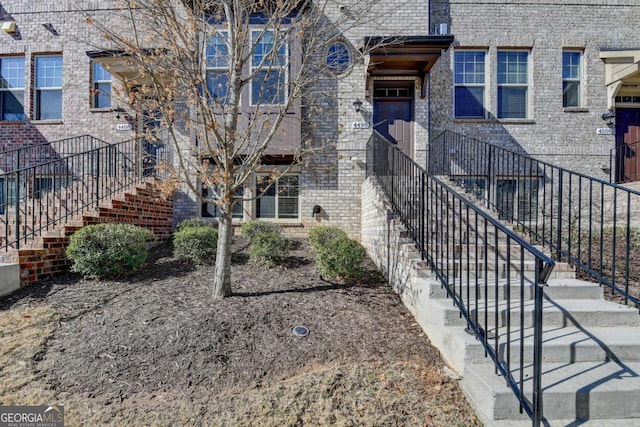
472,120
46,122
12,122
575,110
517,121
101,110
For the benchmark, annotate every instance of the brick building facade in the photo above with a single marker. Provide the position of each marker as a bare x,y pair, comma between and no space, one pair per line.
544,47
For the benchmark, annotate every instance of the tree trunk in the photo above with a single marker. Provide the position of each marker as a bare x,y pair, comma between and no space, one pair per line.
222,278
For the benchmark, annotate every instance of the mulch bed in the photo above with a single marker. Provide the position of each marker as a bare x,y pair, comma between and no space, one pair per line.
161,332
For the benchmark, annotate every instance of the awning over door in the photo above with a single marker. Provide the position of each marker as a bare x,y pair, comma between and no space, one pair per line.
120,65
622,73
405,56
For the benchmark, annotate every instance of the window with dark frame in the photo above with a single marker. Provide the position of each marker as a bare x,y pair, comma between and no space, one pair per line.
48,87
469,82
12,88
101,87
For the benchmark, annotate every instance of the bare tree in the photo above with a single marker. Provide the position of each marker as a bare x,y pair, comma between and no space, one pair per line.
231,75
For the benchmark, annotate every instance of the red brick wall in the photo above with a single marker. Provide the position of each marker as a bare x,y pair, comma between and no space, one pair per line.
143,207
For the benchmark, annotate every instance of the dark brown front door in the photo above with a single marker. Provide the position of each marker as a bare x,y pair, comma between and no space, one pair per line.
393,115
627,145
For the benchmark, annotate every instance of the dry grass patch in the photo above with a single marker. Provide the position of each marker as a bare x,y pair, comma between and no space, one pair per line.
23,336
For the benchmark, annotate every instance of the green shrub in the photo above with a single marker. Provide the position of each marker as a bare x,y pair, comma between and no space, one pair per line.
108,250
340,258
196,243
320,236
268,249
252,229
192,223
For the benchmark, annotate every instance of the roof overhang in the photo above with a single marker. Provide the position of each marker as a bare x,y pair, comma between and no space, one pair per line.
622,70
122,66
405,55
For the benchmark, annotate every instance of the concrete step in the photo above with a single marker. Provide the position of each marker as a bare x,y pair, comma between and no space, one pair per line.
576,391
461,269
570,423
563,313
572,344
9,277
555,289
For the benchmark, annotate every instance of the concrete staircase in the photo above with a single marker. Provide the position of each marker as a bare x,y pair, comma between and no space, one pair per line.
591,347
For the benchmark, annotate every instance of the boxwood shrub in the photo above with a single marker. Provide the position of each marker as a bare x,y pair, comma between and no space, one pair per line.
196,243
340,258
268,249
252,229
321,235
108,250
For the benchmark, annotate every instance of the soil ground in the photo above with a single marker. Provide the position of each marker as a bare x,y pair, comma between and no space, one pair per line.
155,349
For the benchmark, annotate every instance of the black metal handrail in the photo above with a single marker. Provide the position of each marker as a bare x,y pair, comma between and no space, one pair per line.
13,158
487,270
37,198
624,164
588,222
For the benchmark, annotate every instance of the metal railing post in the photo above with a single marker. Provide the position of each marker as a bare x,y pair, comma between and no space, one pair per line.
97,179
537,346
17,184
559,213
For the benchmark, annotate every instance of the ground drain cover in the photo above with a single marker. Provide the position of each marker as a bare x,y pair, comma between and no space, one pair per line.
300,331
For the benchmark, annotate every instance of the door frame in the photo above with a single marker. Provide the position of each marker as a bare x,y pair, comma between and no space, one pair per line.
405,93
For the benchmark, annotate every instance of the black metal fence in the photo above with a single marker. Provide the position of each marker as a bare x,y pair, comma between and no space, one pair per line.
588,222
70,177
492,275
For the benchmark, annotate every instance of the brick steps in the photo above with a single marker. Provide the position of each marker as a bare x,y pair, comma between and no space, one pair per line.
44,256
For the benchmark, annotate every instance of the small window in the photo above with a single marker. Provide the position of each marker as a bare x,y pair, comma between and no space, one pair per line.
48,87
338,57
513,98
12,88
101,87
217,64
517,199
269,65
280,200
475,186
211,210
9,190
571,76
469,81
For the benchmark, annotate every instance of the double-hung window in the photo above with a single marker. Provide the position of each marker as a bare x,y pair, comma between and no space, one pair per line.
280,200
513,70
269,67
217,65
48,87
12,88
211,210
571,76
101,87
469,72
